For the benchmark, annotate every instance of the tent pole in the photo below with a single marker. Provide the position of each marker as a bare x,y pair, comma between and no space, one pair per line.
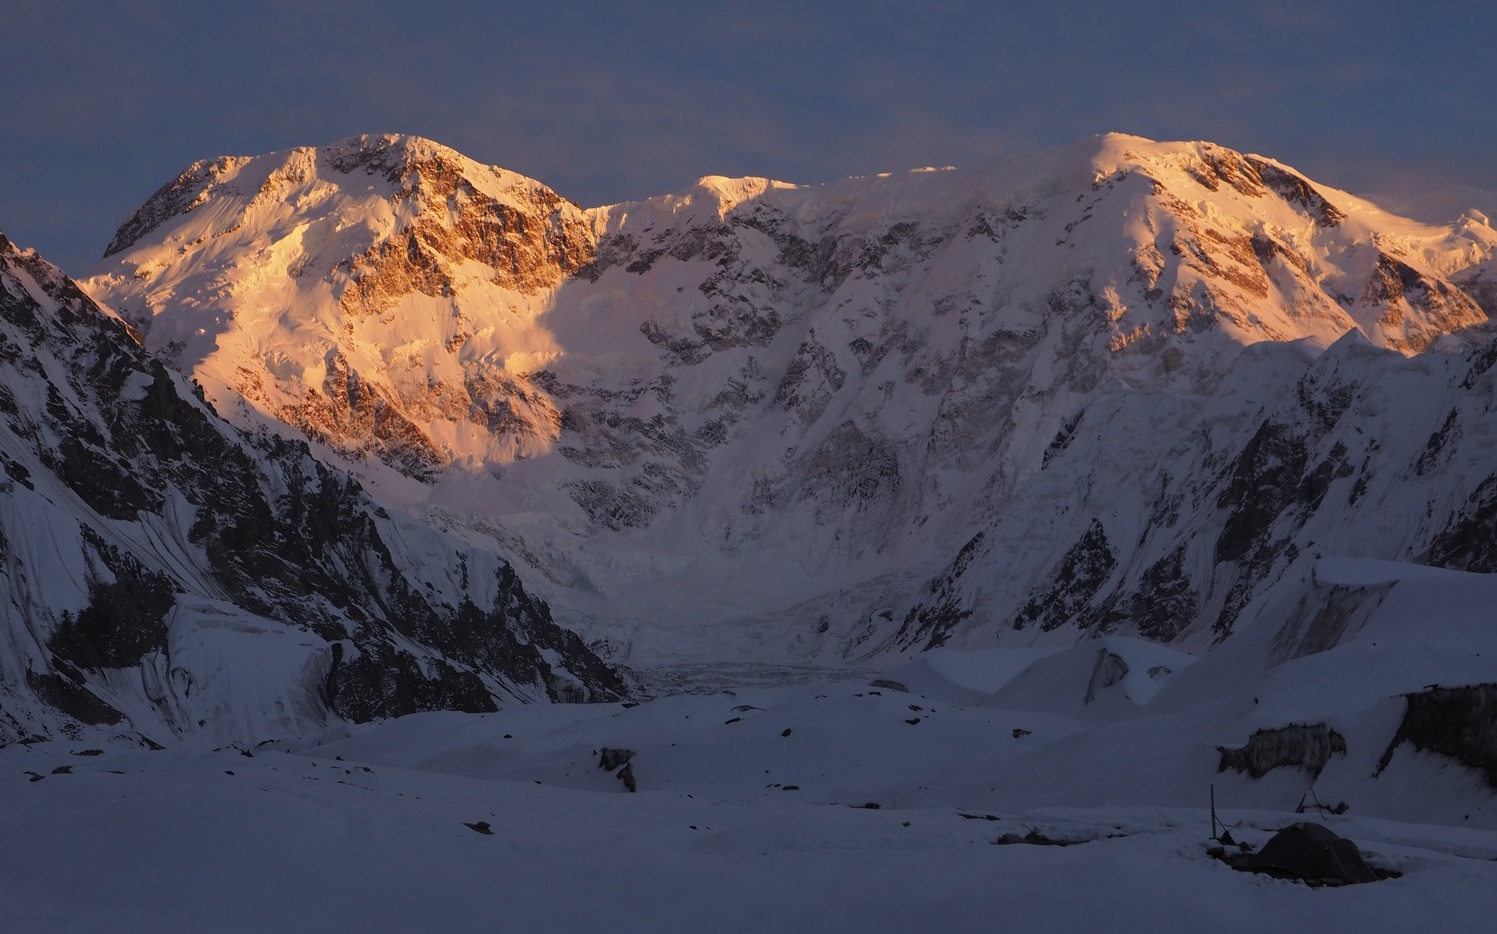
1213,811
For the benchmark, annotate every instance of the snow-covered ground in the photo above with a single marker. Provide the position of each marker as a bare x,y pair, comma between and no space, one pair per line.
783,800
369,833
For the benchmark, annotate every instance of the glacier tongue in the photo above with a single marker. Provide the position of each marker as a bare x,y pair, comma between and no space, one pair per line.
1122,387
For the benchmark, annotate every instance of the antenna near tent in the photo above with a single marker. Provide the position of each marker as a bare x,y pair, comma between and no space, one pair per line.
1213,812
1225,837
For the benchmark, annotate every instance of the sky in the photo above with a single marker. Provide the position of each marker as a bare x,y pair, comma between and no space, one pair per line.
106,100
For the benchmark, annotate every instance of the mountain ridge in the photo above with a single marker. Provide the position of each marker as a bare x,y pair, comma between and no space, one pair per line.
751,396
167,577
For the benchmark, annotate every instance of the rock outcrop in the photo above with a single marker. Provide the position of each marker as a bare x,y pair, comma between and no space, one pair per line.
166,575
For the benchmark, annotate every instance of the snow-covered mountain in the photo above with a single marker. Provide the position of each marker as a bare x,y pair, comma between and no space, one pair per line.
165,576
1103,484
1123,387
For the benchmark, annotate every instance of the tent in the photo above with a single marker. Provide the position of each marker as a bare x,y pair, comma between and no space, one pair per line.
1312,852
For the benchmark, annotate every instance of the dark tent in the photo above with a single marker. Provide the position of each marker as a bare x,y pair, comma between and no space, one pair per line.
1313,852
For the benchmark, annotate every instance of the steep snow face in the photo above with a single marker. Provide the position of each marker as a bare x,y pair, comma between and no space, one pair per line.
1169,517
754,418
163,575
329,288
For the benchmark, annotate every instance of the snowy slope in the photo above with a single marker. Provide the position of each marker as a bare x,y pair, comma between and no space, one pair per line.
307,843
1088,390
835,806
163,575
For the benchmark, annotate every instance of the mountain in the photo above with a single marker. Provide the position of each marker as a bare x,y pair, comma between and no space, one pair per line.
999,521
166,576
1124,387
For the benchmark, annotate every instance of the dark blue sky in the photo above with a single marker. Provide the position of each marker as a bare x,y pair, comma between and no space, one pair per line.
105,101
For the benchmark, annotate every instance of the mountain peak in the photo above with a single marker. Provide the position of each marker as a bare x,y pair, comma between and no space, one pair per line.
398,156
157,562
407,145
722,402
397,167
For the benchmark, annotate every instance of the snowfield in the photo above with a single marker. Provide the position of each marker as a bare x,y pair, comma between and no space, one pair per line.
369,833
778,800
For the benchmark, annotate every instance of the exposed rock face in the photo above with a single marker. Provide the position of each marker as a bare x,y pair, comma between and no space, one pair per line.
620,762
372,227
1071,594
182,195
1328,468
530,240
164,573
1457,722
359,418
1469,541
1109,670
1119,388
1326,616
1307,747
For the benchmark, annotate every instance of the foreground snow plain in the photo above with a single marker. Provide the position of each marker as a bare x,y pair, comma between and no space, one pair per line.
799,800
301,840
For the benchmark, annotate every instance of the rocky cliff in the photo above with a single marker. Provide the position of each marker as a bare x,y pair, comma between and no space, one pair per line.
165,575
